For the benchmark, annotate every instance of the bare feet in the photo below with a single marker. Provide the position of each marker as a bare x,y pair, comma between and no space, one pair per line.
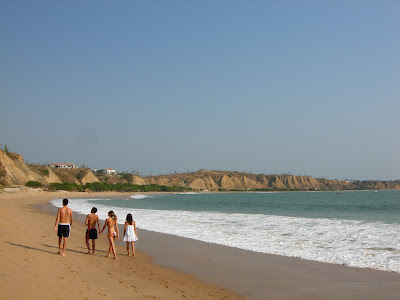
88,252
114,257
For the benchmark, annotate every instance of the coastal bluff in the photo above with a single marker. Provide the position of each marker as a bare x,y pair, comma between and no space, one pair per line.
240,181
15,172
226,180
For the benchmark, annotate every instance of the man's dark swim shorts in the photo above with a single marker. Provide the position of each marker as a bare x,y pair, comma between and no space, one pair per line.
92,233
63,230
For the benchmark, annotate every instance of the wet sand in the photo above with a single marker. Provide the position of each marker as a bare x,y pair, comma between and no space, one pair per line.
267,276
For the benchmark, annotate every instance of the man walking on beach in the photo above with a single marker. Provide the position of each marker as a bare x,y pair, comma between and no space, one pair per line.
91,231
65,218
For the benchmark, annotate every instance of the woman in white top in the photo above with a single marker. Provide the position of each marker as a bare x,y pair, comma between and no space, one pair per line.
130,234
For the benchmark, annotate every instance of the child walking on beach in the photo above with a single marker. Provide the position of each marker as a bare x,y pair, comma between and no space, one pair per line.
130,234
113,232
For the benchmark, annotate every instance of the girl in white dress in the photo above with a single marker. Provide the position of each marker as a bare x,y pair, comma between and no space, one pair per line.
130,234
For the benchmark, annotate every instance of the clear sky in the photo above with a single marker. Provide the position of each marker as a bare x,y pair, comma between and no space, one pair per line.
300,87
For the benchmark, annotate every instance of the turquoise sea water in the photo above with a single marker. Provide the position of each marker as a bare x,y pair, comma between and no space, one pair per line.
382,206
355,228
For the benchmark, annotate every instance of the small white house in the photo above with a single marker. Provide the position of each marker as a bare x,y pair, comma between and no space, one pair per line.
107,171
110,171
64,166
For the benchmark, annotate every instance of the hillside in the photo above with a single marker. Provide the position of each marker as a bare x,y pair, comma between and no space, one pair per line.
13,171
225,180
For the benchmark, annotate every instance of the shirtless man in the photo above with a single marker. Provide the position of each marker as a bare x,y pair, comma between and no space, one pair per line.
91,231
64,220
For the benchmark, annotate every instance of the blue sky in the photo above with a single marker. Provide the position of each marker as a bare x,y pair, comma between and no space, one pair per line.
301,87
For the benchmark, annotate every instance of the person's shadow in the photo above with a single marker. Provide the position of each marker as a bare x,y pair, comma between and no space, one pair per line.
72,250
53,247
32,248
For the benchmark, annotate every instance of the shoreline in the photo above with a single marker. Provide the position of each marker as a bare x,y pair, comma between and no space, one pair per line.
19,189
259,275
28,254
252,274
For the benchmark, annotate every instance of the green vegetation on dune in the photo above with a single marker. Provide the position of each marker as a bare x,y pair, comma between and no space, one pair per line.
34,184
116,187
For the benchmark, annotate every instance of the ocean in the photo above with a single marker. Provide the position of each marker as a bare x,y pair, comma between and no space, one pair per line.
352,228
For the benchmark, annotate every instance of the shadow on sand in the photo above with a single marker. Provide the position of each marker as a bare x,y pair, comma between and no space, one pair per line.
32,248
53,247
76,251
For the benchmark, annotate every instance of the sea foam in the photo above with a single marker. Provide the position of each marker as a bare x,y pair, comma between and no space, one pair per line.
139,196
353,243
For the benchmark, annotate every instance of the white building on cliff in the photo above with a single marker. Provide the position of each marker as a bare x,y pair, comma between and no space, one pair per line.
105,171
64,166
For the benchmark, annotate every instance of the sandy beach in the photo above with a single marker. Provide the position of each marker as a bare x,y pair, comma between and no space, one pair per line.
166,267
32,269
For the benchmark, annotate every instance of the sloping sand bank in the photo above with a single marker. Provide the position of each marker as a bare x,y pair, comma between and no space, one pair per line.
31,269
267,276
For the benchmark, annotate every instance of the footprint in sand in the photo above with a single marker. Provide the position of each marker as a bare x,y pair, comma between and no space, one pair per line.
72,270
134,288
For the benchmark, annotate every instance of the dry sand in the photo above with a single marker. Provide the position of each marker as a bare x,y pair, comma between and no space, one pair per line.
31,269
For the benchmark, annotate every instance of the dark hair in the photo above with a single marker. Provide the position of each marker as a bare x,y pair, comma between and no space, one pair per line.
129,219
65,201
94,210
112,215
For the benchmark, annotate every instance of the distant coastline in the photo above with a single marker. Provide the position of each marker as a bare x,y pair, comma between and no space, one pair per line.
15,172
